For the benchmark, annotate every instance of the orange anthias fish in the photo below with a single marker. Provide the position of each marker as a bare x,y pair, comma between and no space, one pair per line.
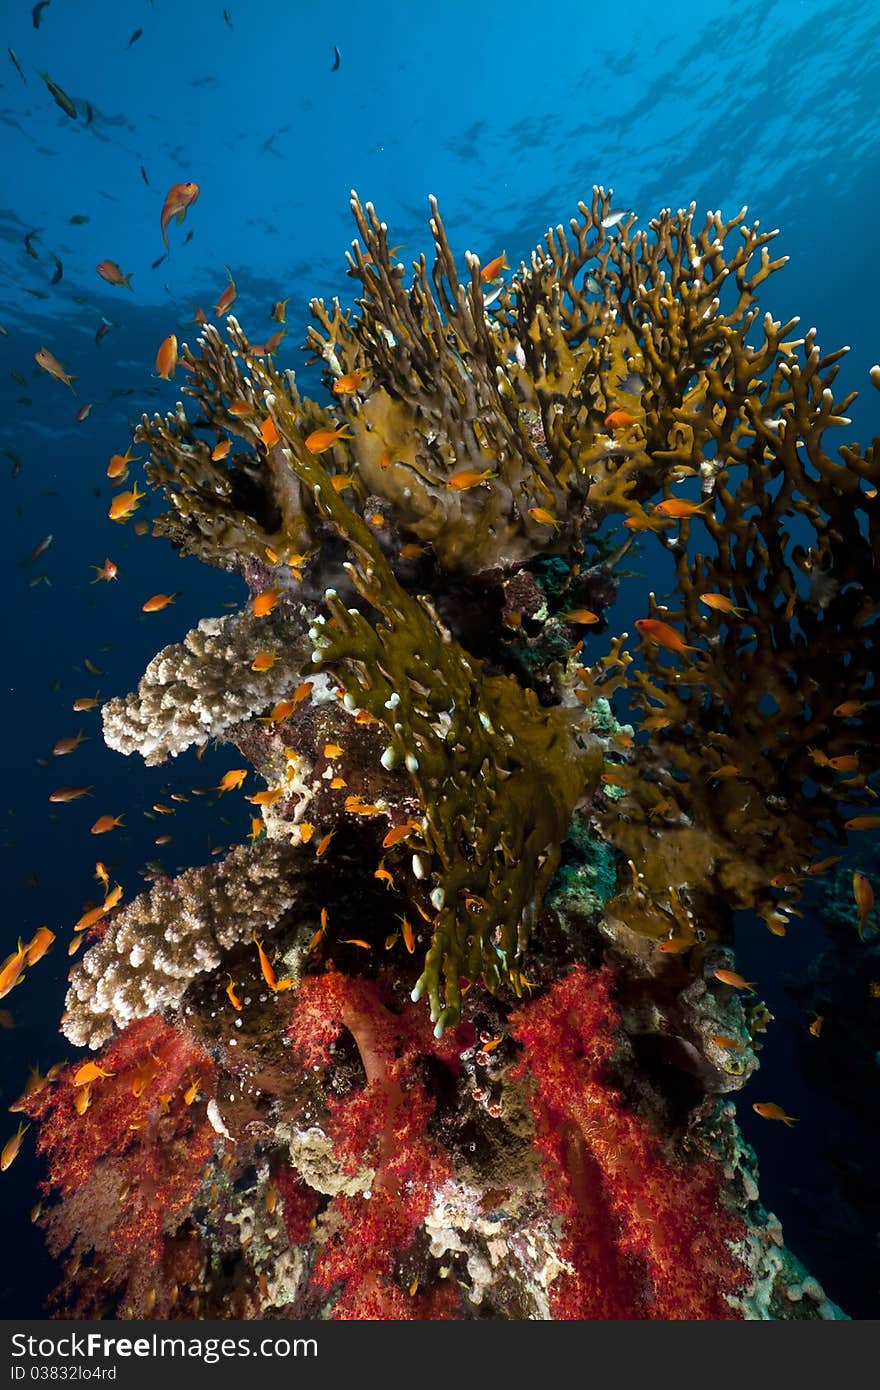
863,893
63,794
110,271
269,975
105,823
45,359
730,977
653,630
279,310
543,517
264,602
125,504
269,432
118,465
233,779
492,269
353,381
240,409
219,451
68,745
769,1110
232,996
166,357
721,603
619,419
157,603
12,1146
85,702
319,440
468,478
862,823
12,970
581,615
179,197
227,298
264,661
89,1072
680,508
849,709
38,945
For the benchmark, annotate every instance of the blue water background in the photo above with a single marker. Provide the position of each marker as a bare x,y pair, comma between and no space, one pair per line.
509,114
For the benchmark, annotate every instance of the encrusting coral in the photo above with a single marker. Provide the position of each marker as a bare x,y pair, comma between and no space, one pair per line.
452,809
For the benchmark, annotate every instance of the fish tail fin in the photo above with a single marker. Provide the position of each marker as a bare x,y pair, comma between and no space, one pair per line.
789,1121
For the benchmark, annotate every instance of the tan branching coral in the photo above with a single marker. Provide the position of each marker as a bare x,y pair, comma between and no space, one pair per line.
180,929
197,689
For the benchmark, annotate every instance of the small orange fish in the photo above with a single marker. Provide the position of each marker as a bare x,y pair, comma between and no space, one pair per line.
823,864
88,919
240,409
118,465
863,893
191,1091
232,996
200,316
82,1100
412,551
109,570
113,898
679,508
656,721
227,298
324,844
384,875
258,829
264,661
125,504
619,419
398,833
12,1146
676,945
725,1043
283,710
581,615
38,945
140,528
267,797
721,603
862,823
279,310
166,357
68,745
219,451
85,702
179,197
269,975
157,603
105,823
730,977
233,779
769,1110
319,440
332,750
653,630
645,523
264,602
846,762
850,708
816,1025
89,1072
110,271
306,831
726,770
544,518
409,939
162,840
62,794
492,269
353,381
468,478
12,970
269,433
50,364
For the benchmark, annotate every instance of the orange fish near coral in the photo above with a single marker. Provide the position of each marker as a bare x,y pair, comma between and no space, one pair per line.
110,271
109,570
279,310
863,893
166,357
769,1110
68,745
721,603
264,602
862,823
219,451
179,197
233,779
12,1146
619,419
581,615
227,298
679,508
269,975
89,1072
730,977
62,794
269,433
653,630
544,518
157,603
49,363
319,440
125,504
346,385
493,268
38,945
232,996
264,661
12,970
105,823
468,478
118,465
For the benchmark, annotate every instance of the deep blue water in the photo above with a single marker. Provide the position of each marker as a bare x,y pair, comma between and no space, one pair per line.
509,119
